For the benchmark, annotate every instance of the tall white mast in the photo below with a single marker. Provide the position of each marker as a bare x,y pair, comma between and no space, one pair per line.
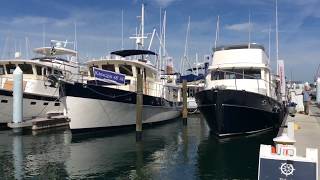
197,64
122,29
217,32
269,48
164,37
27,47
142,26
160,47
185,54
75,44
249,29
277,36
44,35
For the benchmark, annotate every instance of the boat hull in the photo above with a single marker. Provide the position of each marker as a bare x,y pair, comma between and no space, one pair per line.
91,107
34,105
233,112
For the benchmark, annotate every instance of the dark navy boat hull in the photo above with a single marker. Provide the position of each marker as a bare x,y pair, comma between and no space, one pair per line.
234,112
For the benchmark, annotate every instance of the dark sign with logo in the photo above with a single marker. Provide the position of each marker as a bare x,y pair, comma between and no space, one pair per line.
273,169
109,76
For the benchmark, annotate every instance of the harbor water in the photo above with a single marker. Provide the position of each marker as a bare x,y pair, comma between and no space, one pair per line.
167,151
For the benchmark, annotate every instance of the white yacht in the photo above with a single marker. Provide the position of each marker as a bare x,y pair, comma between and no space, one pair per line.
195,83
39,96
111,102
240,96
108,98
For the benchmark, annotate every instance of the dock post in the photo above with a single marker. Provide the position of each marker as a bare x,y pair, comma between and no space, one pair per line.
184,97
290,130
139,105
318,91
17,95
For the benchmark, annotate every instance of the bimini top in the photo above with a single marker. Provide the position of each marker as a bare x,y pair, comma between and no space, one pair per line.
133,52
240,46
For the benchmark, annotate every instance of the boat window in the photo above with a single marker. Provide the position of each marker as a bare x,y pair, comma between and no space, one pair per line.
39,70
1,70
216,75
252,74
10,68
138,70
125,69
233,73
49,71
108,67
91,70
26,68
57,72
191,92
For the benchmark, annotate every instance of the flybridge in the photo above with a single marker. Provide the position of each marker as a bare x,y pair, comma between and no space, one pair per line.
240,46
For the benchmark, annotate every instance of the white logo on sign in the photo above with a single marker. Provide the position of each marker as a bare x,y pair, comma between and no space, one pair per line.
286,169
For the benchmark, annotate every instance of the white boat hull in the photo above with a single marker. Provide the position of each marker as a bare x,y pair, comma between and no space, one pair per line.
86,113
31,108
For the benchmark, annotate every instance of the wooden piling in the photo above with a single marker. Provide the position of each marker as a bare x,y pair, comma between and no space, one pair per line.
184,97
139,106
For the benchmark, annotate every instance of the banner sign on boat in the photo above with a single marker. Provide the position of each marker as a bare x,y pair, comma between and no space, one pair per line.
109,76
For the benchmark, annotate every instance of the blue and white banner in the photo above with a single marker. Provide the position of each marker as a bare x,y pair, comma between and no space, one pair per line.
109,76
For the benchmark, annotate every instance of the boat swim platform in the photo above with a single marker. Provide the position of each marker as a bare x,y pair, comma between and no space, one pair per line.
306,130
42,123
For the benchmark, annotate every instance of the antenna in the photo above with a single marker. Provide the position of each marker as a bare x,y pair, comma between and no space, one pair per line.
269,48
217,32
249,29
197,64
122,29
75,43
27,47
44,35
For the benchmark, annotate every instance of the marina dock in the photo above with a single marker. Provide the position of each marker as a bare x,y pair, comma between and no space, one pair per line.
307,130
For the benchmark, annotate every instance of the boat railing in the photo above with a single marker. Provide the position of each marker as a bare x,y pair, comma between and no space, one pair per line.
251,77
151,87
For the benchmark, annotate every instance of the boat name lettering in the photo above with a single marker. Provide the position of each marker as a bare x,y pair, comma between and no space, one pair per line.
108,76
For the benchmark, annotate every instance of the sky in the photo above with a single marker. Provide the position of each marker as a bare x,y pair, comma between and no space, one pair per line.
99,27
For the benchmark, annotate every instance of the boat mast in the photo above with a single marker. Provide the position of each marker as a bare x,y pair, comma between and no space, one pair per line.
197,64
164,38
160,47
269,48
27,47
277,35
43,35
122,29
249,30
217,32
185,54
142,26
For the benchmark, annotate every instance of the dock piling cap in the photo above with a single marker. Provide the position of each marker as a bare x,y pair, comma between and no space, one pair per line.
284,139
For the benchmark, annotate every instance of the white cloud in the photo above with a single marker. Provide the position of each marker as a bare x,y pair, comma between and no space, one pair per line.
164,3
239,27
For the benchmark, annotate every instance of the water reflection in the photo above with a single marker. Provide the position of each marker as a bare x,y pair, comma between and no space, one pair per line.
235,158
168,151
